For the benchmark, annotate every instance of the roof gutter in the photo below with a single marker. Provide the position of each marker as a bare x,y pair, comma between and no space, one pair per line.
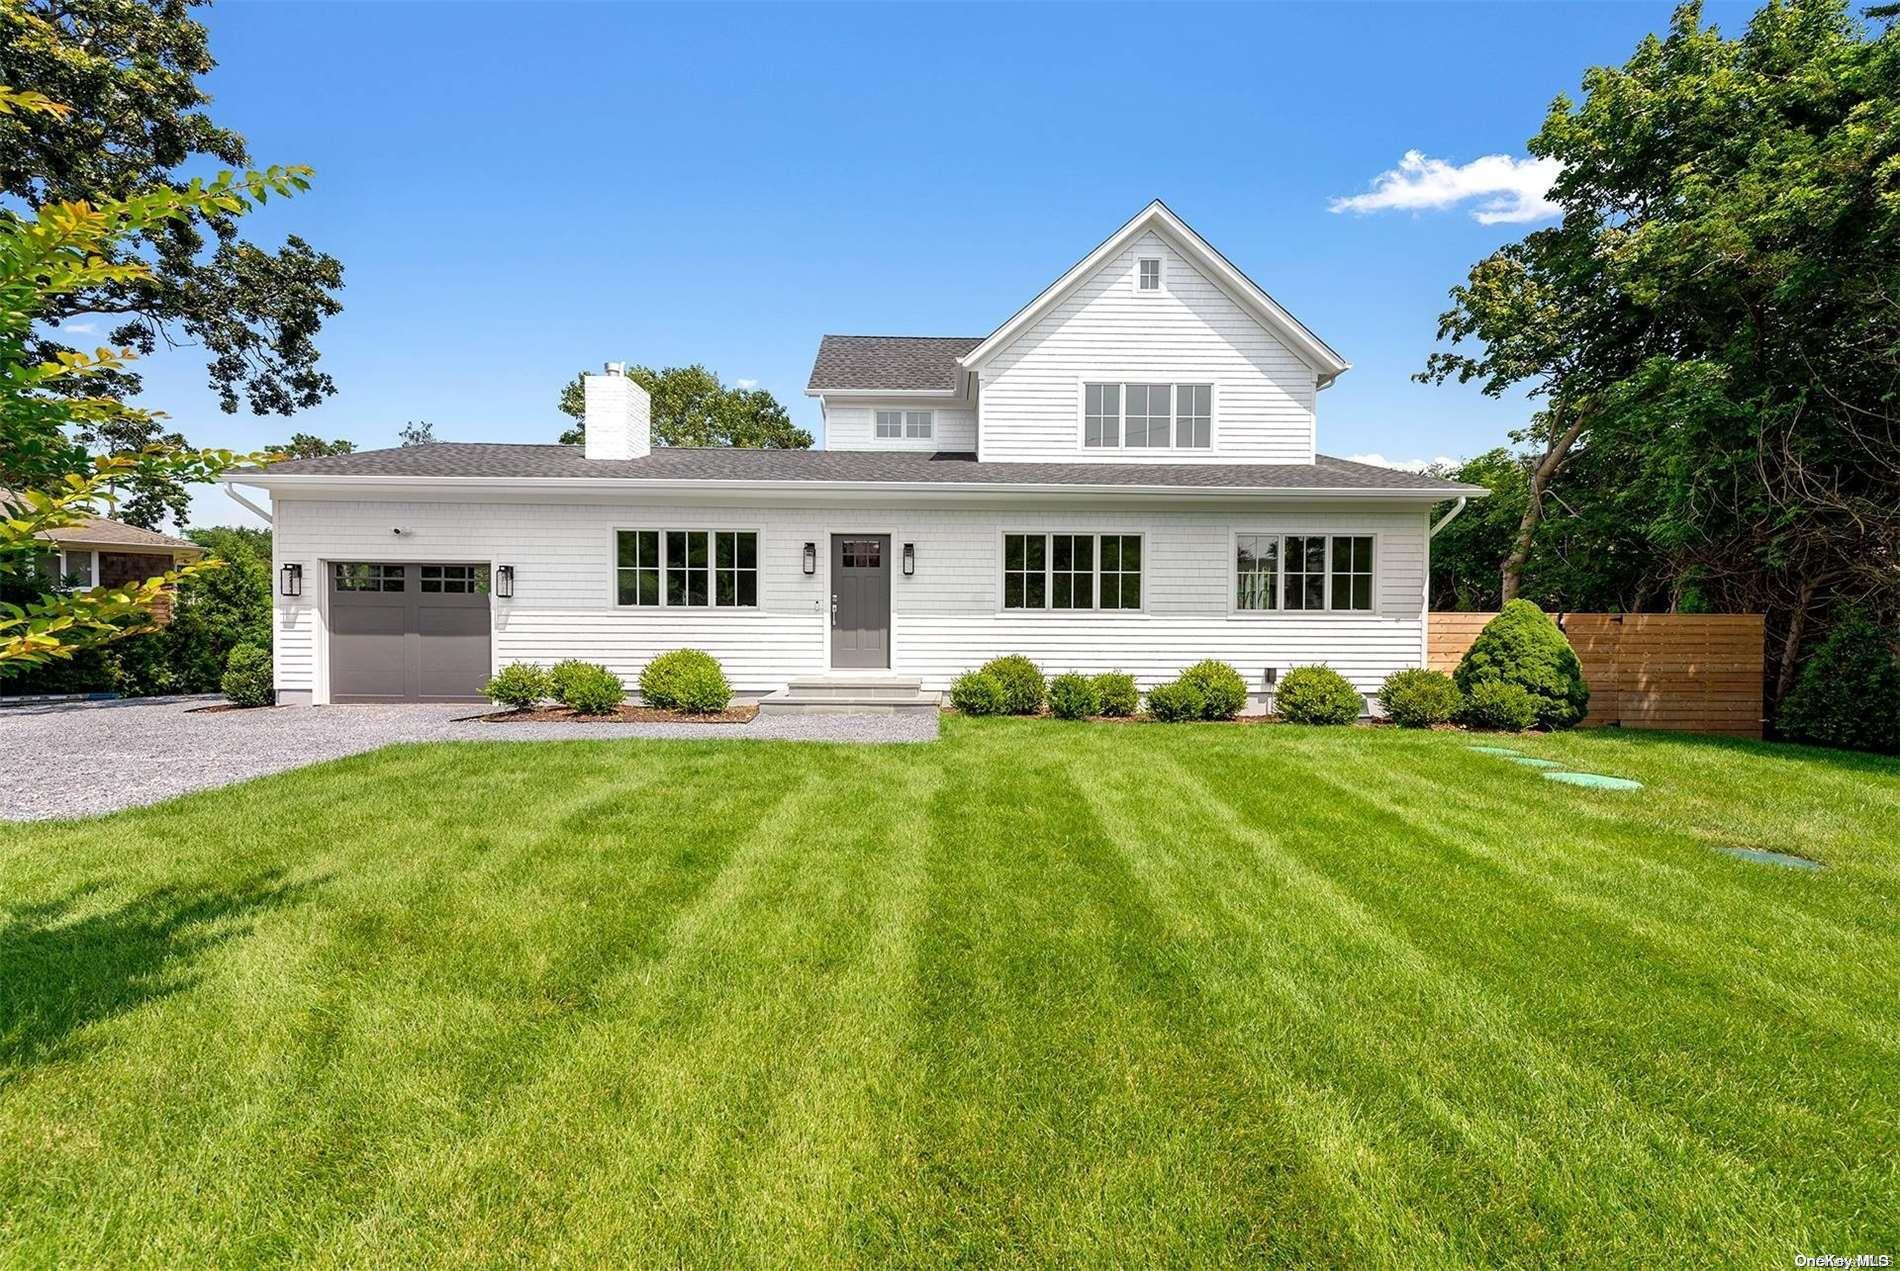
635,485
1450,516
230,490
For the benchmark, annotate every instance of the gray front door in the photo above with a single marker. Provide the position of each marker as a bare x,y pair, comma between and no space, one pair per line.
860,600
401,632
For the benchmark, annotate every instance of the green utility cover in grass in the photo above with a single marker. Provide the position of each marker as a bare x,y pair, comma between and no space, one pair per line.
1593,780
1495,750
1770,858
1531,761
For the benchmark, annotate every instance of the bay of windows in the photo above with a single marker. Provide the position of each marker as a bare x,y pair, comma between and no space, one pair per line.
687,568
1303,572
1072,571
1148,416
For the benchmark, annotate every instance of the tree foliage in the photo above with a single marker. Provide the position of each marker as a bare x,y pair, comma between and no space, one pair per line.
66,249
1720,309
305,445
417,432
692,407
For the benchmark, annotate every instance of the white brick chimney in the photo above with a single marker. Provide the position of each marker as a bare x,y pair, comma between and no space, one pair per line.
619,416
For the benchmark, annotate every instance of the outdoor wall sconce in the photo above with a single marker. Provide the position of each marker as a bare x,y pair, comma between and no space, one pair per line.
811,559
505,581
910,559
290,580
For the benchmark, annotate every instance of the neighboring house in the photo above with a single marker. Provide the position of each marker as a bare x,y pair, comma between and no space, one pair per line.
100,552
1124,475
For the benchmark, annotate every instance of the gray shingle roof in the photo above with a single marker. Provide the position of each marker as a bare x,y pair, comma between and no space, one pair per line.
904,362
482,459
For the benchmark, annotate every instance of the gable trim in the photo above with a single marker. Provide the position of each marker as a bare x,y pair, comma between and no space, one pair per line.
1314,351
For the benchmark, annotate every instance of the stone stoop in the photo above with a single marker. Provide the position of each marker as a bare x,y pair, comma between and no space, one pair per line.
851,694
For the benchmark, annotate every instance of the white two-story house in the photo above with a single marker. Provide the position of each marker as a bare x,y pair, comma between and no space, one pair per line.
1123,476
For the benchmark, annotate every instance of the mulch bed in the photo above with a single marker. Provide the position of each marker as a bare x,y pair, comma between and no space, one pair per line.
739,714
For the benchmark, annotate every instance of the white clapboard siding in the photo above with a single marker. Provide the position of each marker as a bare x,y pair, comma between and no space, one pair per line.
945,619
851,425
1030,395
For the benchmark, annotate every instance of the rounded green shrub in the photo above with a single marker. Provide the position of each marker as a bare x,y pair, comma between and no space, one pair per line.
247,676
1021,681
1177,701
1117,693
562,672
977,693
1073,697
686,680
1418,698
1497,704
1523,646
519,685
1849,691
1318,695
1223,692
594,690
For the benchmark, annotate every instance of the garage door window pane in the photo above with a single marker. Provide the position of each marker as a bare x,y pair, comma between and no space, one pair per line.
367,576
460,580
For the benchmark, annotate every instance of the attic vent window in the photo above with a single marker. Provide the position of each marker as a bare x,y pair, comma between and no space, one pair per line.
1148,274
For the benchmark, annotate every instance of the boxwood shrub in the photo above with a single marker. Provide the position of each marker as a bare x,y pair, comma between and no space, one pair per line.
518,685
1117,693
594,690
562,672
1418,698
977,693
1176,701
1223,692
247,676
686,680
1848,693
1073,697
1318,695
1501,705
1021,681
1523,646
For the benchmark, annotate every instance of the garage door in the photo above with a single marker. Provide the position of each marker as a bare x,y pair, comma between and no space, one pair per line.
408,633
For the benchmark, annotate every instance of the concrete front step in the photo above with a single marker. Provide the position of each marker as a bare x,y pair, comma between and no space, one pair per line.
857,694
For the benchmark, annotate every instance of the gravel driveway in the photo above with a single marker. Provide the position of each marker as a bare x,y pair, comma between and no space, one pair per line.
111,755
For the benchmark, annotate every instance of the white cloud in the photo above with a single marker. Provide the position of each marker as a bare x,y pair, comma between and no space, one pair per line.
1404,465
1508,190
748,385
77,328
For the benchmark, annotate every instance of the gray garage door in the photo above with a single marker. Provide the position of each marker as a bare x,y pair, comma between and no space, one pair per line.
408,633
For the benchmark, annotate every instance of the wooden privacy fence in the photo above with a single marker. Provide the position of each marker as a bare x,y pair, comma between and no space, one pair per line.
1693,672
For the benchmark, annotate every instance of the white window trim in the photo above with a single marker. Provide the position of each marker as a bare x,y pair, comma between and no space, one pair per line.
1233,573
875,425
712,550
1161,274
66,556
1048,569
930,426
1121,418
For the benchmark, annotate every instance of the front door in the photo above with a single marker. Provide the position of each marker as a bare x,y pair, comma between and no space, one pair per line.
860,600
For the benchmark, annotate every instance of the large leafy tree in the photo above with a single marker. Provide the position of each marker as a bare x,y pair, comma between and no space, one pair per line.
49,480
692,407
1731,234
128,71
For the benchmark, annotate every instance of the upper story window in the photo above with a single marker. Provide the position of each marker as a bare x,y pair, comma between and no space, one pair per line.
1148,275
687,568
1148,416
915,424
1273,571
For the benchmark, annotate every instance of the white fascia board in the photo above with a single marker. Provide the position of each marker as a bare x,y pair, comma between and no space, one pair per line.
1244,290
782,491
940,394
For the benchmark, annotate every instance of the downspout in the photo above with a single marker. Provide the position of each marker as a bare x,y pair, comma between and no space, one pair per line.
1449,517
232,491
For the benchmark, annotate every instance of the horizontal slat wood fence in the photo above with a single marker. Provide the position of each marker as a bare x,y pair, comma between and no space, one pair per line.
1692,672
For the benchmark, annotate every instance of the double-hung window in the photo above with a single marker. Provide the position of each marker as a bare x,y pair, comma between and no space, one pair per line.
1148,416
1071,571
1303,572
914,424
689,569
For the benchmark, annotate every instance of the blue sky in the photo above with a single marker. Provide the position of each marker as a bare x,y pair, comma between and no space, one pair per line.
518,191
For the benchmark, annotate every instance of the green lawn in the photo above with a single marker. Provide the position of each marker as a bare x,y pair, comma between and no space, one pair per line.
1038,992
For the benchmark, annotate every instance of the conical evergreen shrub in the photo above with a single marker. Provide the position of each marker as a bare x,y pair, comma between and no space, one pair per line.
1523,646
